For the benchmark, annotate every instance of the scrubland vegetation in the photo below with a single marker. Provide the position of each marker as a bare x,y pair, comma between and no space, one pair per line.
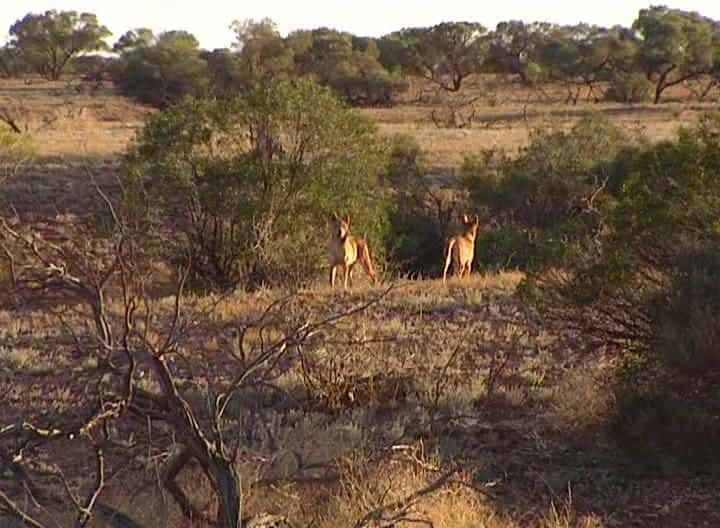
171,353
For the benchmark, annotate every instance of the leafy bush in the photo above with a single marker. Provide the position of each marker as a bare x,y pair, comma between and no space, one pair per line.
550,196
251,182
506,247
669,396
91,67
347,64
160,70
629,88
375,88
420,214
648,289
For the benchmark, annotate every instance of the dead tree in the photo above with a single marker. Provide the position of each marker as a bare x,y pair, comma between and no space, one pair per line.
54,266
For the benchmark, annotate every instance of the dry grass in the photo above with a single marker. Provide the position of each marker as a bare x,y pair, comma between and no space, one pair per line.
462,369
504,117
67,120
562,514
582,400
445,418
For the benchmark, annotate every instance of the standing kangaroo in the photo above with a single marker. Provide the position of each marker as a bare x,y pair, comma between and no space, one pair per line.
461,248
345,251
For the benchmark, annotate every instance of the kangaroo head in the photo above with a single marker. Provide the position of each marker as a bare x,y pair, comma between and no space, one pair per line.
472,224
341,225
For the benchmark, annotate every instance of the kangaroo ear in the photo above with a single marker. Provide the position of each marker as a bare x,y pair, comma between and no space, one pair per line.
466,219
477,220
346,218
335,216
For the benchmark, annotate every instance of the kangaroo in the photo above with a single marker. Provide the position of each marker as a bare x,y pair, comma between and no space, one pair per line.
461,248
345,251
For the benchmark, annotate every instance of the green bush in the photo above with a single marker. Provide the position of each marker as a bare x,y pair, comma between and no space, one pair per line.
420,216
161,70
506,247
551,196
630,88
647,289
376,88
250,183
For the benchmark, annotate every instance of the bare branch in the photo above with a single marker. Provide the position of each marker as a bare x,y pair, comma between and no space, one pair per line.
10,507
399,510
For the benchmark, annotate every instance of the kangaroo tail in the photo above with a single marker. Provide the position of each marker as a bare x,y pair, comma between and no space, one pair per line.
366,259
448,256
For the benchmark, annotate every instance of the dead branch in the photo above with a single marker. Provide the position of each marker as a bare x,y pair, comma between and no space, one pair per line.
441,384
9,507
85,511
139,337
399,511
7,116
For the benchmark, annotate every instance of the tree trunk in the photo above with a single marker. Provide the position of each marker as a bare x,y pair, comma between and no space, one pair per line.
658,93
227,488
219,468
661,84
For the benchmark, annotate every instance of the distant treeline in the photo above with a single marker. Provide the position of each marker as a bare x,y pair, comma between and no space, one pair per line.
663,47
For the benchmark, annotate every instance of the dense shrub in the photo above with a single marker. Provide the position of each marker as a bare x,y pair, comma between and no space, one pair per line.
648,289
629,88
11,62
91,67
669,395
374,88
420,215
251,182
551,195
160,70
506,247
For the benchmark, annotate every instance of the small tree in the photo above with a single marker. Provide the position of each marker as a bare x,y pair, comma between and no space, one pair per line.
262,54
11,61
676,46
446,53
251,182
48,41
579,56
515,48
646,290
133,39
159,70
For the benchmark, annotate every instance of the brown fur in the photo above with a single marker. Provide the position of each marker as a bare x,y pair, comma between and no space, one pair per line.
460,249
345,251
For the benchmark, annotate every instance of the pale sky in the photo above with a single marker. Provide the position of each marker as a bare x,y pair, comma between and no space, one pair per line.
209,20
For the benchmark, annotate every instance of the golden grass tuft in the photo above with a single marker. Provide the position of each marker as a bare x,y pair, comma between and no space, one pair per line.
581,400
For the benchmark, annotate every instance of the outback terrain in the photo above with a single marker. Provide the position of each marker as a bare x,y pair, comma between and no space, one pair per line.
411,402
